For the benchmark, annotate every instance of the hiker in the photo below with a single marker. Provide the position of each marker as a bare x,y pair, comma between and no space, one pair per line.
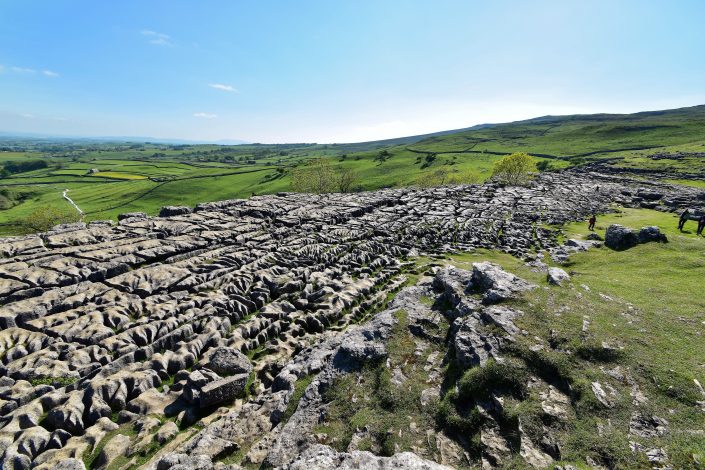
683,219
591,222
701,224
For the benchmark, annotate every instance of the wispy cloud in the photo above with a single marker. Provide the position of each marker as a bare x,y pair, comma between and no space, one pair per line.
158,39
28,71
223,87
27,115
205,115
22,70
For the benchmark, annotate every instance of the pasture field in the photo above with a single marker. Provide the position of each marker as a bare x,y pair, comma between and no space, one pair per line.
106,179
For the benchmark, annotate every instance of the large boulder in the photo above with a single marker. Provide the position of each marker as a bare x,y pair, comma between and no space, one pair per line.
651,234
229,361
222,391
618,237
495,283
195,382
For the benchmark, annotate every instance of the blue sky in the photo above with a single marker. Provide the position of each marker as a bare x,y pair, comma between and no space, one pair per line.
337,71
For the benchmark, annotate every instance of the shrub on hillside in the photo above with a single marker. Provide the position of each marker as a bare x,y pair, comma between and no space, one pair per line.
315,177
319,176
43,219
515,169
442,176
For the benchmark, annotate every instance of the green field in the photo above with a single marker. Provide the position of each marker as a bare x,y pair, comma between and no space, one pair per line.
106,179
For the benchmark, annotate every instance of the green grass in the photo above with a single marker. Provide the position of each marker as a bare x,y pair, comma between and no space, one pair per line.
693,183
90,458
371,399
299,390
642,301
191,174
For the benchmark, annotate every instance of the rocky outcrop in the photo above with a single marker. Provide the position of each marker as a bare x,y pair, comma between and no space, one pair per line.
155,315
496,284
322,457
621,238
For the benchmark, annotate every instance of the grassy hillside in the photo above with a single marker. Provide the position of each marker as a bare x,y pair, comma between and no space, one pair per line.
147,176
595,135
628,321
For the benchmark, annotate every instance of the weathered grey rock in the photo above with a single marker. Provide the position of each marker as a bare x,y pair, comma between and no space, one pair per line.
184,462
651,234
557,276
495,283
111,312
195,383
228,361
169,211
116,447
132,215
222,391
321,457
647,426
70,464
619,237
167,432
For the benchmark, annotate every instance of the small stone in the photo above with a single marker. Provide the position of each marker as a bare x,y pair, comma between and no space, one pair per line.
557,276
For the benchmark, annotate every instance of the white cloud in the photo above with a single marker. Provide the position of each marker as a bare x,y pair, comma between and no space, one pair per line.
158,39
22,70
27,115
205,115
50,73
223,87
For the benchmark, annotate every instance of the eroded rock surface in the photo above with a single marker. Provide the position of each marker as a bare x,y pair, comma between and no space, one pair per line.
155,315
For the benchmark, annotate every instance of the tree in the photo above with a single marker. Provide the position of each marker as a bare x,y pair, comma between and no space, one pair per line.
515,169
45,218
443,176
382,156
464,177
429,179
317,176
347,177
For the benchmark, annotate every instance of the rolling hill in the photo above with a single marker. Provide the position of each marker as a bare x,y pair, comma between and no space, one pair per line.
147,176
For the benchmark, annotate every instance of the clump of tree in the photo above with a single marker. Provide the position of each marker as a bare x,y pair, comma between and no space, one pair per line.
515,169
23,166
382,156
45,218
428,160
319,176
443,176
347,179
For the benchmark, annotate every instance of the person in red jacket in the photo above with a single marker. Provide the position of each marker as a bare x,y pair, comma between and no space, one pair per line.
591,222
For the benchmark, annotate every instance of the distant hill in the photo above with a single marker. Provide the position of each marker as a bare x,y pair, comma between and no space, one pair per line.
579,135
